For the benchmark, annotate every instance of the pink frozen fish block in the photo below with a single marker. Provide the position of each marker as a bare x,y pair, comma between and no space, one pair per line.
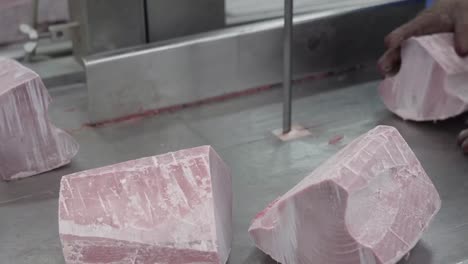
174,208
370,203
29,143
432,83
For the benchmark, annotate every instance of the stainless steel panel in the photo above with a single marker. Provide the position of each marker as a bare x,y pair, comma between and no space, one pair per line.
231,60
177,18
107,25
244,11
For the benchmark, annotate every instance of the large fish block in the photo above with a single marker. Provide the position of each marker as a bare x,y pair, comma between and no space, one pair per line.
432,83
174,209
29,143
370,203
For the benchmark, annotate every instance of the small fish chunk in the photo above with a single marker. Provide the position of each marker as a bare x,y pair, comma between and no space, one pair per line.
29,143
370,203
432,83
174,208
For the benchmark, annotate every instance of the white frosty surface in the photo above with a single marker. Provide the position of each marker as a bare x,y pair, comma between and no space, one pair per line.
29,143
432,83
368,204
171,208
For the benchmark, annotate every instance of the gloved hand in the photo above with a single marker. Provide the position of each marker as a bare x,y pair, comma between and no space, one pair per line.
443,16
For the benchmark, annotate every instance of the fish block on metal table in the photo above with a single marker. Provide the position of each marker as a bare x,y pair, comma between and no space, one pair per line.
370,203
29,143
432,81
174,208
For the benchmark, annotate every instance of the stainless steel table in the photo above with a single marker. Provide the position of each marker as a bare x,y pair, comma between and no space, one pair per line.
263,168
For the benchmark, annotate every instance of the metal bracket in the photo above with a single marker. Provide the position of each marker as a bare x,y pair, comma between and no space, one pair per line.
62,31
32,39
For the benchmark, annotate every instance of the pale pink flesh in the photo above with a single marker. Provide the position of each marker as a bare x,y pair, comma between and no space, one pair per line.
432,82
171,208
29,143
370,203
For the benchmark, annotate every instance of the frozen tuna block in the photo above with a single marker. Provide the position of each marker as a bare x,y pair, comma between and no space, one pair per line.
370,203
29,143
432,83
174,208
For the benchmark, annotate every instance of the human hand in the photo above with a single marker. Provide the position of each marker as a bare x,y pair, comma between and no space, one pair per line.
443,16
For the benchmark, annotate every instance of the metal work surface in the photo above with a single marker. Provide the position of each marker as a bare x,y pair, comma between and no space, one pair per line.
263,167
231,60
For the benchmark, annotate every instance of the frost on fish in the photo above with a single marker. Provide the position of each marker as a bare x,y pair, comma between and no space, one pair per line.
368,204
29,143
432,82
174,208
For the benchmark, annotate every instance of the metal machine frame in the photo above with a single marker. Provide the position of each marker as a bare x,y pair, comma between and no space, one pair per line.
107,25
201,66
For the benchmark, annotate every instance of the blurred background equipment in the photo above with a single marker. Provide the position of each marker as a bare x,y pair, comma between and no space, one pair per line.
189,51
101,27
39,14
107,25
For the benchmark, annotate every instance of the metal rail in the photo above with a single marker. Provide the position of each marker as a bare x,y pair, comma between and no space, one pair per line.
287,64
